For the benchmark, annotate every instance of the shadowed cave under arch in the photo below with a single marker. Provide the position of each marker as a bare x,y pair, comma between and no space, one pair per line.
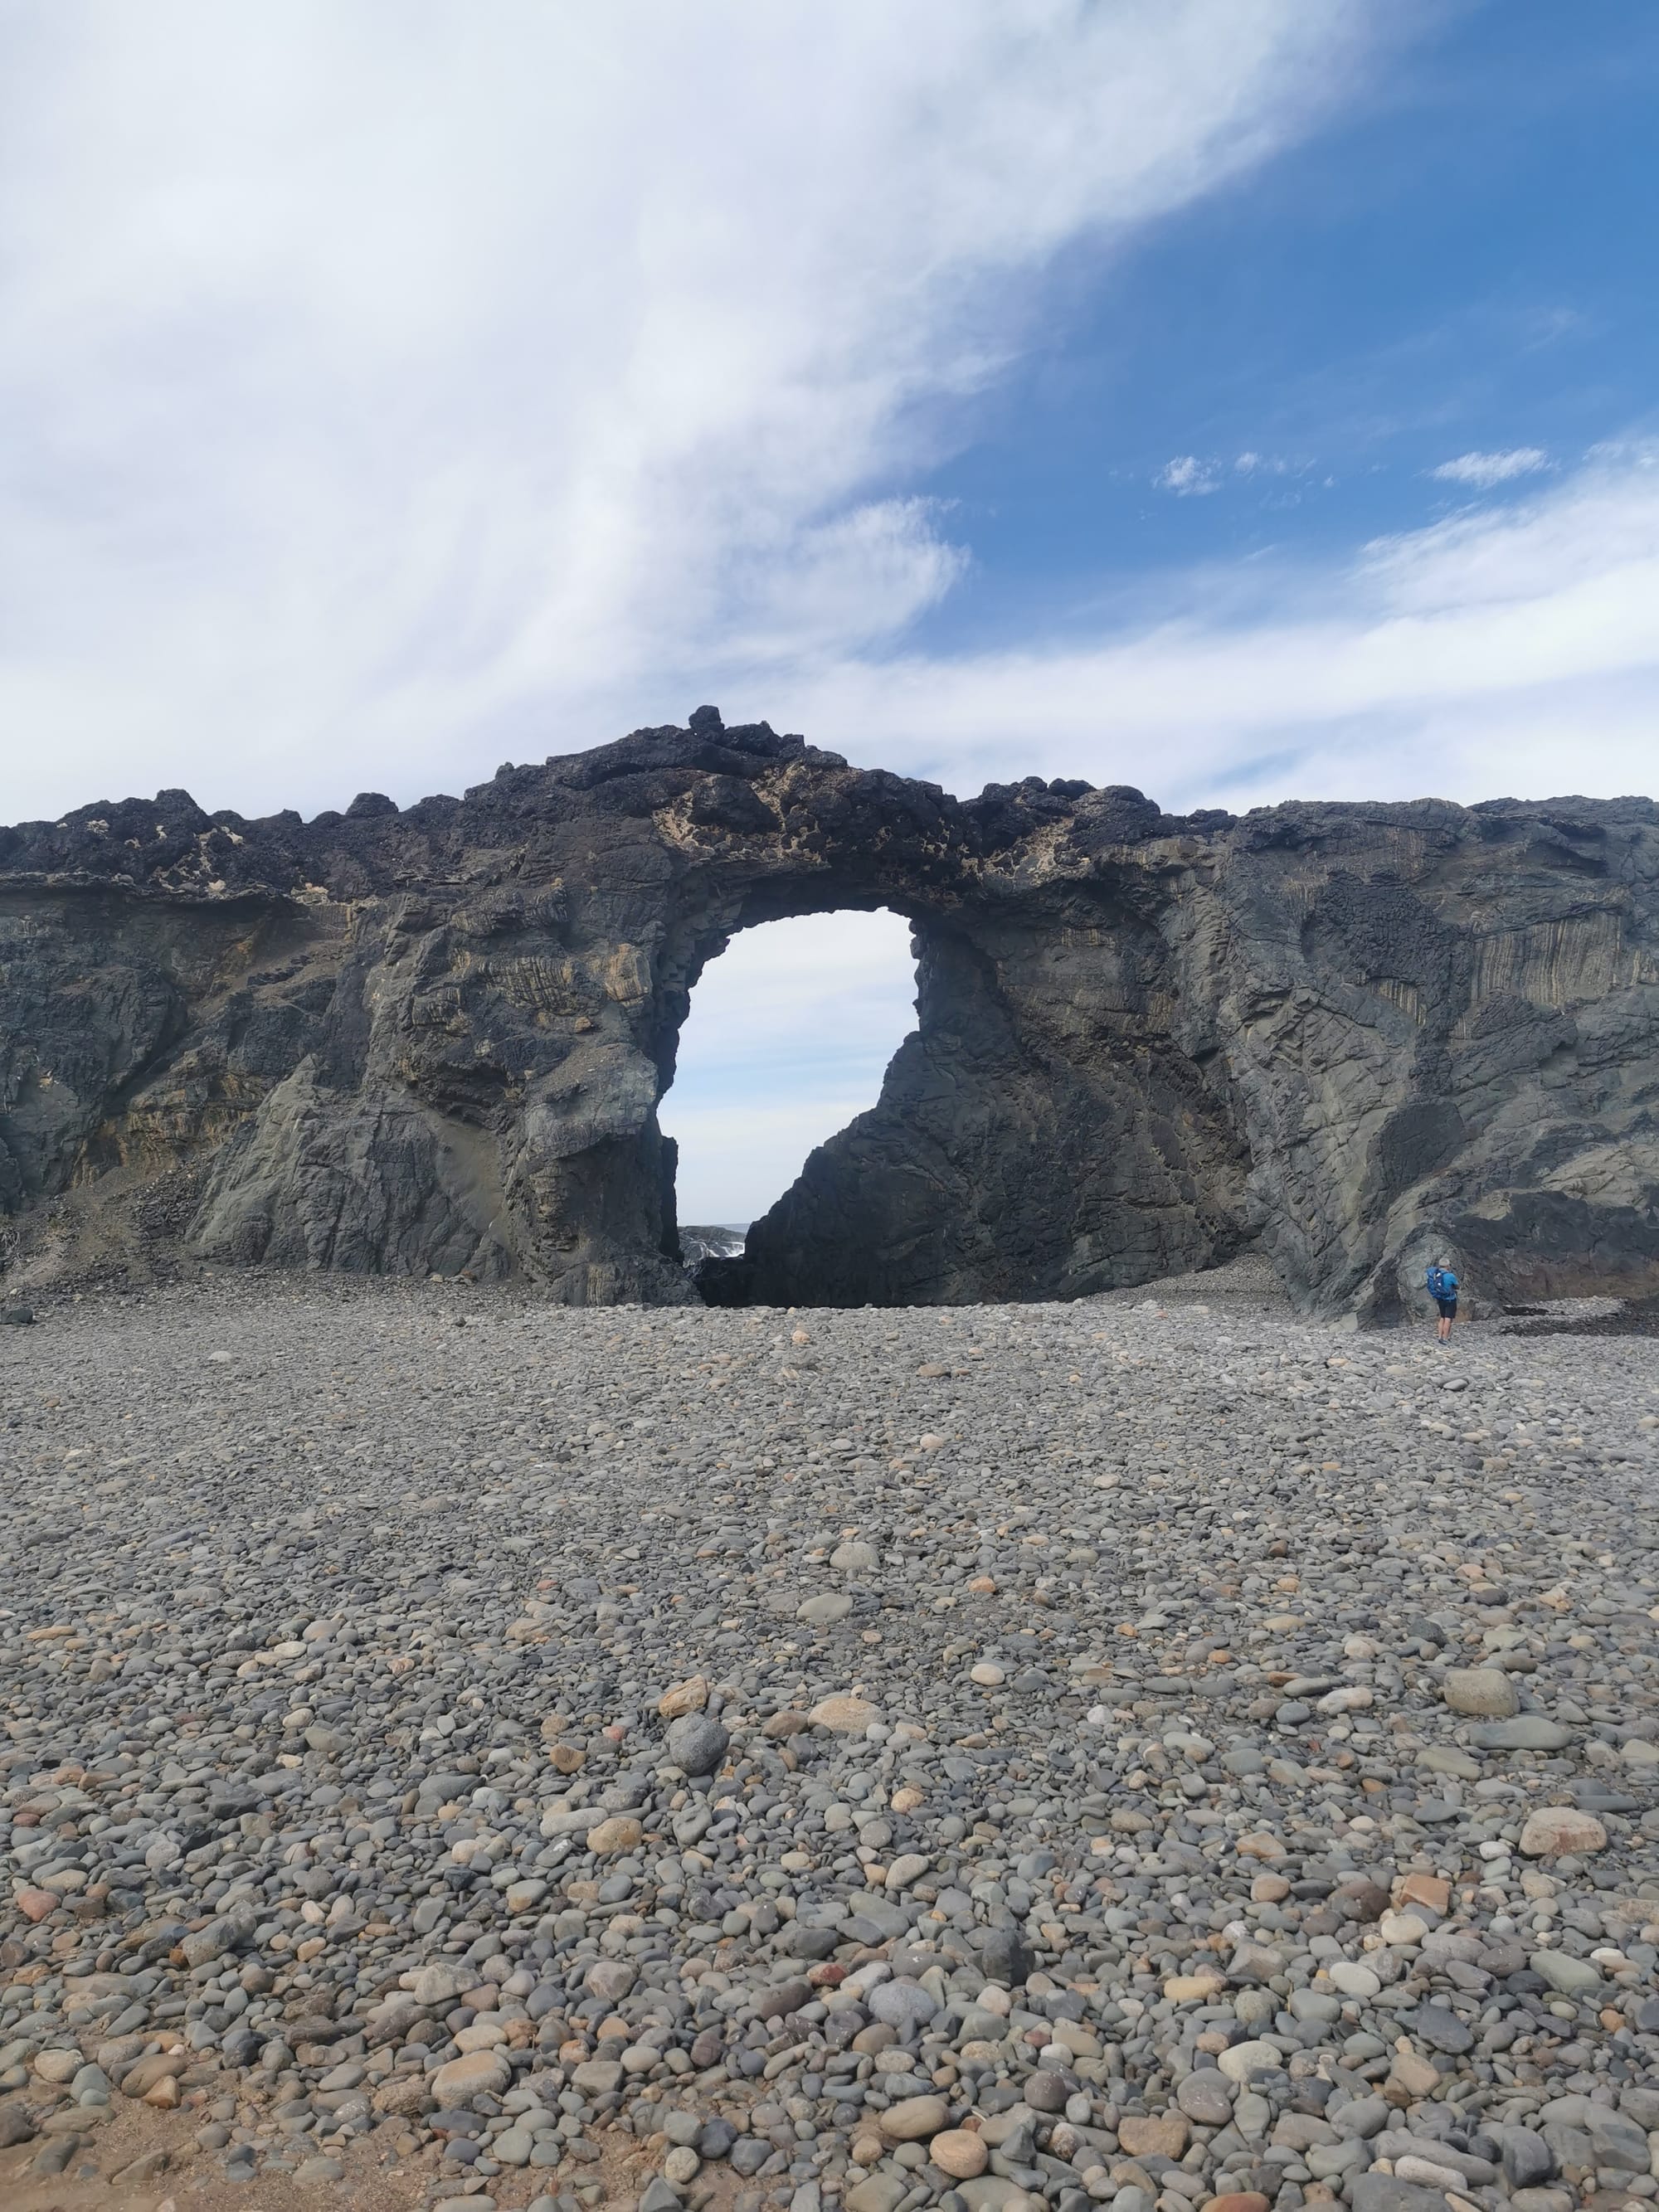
1020,1148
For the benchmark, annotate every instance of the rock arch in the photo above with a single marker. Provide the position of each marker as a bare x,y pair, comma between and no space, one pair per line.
436,1037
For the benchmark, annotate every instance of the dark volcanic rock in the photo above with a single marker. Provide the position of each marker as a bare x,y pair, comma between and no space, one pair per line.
435,1038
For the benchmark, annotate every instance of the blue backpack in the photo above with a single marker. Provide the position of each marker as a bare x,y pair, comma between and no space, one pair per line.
1442,1283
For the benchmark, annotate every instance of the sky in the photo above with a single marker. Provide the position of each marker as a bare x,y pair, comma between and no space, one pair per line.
790,1031
1238,399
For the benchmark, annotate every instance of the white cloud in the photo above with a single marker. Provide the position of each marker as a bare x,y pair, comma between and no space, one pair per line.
1188,477
1509,652
1482,470
388,389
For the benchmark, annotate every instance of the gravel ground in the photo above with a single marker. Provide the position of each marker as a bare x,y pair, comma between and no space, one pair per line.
1126,1754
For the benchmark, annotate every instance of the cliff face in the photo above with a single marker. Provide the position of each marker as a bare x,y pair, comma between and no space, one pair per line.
396,1041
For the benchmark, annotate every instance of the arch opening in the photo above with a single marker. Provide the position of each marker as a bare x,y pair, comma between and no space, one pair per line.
1049,1128
790,1032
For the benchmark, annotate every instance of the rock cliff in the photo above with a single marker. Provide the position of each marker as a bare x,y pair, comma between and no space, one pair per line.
435,1038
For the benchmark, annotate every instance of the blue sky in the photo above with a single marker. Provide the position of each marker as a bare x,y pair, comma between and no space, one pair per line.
790,1031
1461,258
1460,262
1238,398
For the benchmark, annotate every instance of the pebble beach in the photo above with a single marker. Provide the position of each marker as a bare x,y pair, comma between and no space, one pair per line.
1148,1752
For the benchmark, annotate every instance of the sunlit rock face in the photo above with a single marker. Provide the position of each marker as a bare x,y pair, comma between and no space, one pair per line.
435,1039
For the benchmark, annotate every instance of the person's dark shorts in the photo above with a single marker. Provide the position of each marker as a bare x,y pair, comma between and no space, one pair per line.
1448,1308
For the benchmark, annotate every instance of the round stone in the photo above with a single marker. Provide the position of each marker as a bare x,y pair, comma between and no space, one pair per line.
912,2119
696,1743
688,1697
1046,2091
1153,2135
611,1980
1486,1691
1525,1732
823,1612
1555,1830
476,2073
901,2004
1206,2096
844,1716
621,1834
1194,1989
854,1558
1573,1978
1241,2060
1403,1930
959,2152
1439,2027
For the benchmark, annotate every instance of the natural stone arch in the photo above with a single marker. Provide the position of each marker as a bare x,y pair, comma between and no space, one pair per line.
436,1037
1042,1134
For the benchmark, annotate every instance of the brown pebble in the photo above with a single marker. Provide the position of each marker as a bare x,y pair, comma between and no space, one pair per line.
1161,2135
959,2152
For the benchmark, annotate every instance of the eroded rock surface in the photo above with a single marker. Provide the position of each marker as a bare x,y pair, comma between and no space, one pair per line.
435,1039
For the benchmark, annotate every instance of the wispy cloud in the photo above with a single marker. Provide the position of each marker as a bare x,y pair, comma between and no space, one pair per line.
1500,650
387,391
1481,471
1188,477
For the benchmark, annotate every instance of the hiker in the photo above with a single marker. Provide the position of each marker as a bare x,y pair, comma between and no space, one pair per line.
1443,1289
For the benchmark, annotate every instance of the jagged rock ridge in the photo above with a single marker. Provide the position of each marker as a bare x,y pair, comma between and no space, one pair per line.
435,1038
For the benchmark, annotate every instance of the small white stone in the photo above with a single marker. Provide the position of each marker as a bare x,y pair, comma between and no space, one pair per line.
1243,2059
1352,1698
1402,1929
